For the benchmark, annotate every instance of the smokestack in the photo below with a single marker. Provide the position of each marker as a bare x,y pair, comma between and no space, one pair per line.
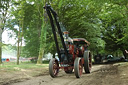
66,38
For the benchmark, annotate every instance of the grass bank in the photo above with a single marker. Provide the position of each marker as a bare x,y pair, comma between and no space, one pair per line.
23,65
9,71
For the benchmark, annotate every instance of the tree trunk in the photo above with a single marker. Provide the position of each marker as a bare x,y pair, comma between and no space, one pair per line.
0,45
42,44
41,53
42,38
18,48
22,36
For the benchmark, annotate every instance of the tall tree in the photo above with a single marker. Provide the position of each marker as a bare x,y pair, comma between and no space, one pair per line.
4,6
17,12
26,16
32,28
43,36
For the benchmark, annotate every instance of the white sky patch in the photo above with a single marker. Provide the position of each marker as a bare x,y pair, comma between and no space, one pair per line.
30,2
8,40
13,17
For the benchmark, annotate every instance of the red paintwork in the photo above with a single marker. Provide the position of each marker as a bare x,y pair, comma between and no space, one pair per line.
76,52
71,50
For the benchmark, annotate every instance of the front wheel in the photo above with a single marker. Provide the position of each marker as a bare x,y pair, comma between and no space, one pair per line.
53,67
78,67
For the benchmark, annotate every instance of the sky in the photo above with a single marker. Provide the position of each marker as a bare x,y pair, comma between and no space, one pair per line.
10,40
6,39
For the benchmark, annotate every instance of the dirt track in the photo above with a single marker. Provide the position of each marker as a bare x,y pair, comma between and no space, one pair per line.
100,75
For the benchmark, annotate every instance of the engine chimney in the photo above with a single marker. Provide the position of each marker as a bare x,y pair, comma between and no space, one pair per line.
66,38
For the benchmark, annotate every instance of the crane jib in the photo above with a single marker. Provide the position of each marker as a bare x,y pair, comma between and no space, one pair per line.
51,12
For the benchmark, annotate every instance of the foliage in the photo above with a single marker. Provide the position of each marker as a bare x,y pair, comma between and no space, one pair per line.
31,28
4,6
114,20
79,18
102,22
97,21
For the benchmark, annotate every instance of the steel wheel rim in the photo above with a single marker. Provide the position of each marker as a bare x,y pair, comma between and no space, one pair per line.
55,68
80,68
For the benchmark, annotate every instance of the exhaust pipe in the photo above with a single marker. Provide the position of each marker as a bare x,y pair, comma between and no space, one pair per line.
66,38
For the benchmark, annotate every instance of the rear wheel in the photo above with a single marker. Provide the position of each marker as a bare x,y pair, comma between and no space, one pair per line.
87,62
78,67
53,67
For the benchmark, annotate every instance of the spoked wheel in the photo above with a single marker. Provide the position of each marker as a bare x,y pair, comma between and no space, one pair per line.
53,67
87,62
78,67
68,70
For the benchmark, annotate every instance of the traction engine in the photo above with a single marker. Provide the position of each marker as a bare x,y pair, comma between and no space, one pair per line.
74,54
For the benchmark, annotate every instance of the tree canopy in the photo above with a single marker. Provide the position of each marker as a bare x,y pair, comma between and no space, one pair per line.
102,22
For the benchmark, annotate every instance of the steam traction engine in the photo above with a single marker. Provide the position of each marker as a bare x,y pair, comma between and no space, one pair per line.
73,55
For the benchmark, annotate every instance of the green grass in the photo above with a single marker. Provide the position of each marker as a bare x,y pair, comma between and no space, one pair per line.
11,66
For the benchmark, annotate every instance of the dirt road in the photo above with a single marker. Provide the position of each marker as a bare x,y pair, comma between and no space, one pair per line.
101,75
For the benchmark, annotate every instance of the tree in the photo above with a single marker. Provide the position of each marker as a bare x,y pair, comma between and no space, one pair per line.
4,6
80,19
28,19
114,19
18,13
98,21
34,27
43,36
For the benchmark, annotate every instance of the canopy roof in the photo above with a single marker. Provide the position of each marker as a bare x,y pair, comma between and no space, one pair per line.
80,41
